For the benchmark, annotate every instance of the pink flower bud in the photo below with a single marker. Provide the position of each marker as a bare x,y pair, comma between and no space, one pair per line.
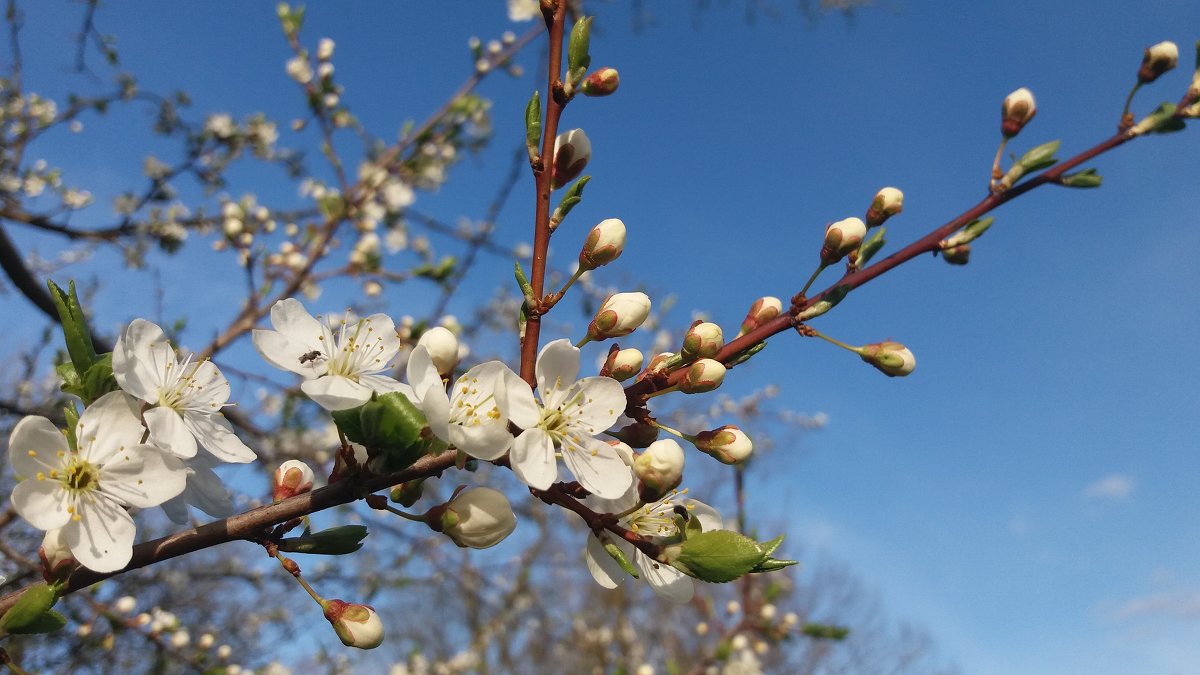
572,150
292,478
702,341
356,625
728,444
703,375
763,310
841,238
1016,111
1157,60
891,358
55,555
620,315
604,244
659,469
601,83
443,348
887,202
476,518
623,364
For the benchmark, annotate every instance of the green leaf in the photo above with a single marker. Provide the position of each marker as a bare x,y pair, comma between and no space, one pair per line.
533,124
617,554
389,425
46,623
74,327
1088,178
718,556
577,49
751,351
769,547
1040,157
870,246
573,196
523,283
772,564
34,603
334,541
99,379
823,631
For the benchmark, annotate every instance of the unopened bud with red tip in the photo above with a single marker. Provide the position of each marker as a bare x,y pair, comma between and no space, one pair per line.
623,364
841,238
728,444
604,244
601,82
476,518
356,625
702,341
659,469
442,345
1017,110
1157,60
572,150
763,310
55,555
887,202
292,478
891,358
620,315
702,376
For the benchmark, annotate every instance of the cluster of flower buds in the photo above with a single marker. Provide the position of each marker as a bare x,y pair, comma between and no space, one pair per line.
887,202
604,244
292,478
841,238
891,358
356,625
620,315
1016,111
659,469
572,150
702,376
727,444
601,82
476,518
703,341
1157,60
763,310
443,349
622,364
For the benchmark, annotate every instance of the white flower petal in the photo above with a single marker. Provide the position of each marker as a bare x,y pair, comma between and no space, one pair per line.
710,518
41,502
130,361
557,368
34,445
168,432
206,492
597,466
516,401
599,402
285,353
216,435
383,384
108,425
142,476
334,392
102,538
484,441
606,571
436,406
532,459
421,372
666,581
176,509
207,390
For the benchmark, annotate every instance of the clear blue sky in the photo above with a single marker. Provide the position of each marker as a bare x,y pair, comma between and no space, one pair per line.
1030,494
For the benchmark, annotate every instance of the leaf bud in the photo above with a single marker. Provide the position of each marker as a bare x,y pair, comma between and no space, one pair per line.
623,364
292,478
356,625
1157,60
407,493
841,238
702,341
659,469
891,358
604,244
887,202
763,310
1017,110
702,376
727,445
661,363
601,82
572,150
443,348
620,315
476,518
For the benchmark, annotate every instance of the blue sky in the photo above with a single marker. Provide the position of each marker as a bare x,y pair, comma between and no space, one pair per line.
1030,493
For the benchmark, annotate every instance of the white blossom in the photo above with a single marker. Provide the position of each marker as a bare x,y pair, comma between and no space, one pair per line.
469,418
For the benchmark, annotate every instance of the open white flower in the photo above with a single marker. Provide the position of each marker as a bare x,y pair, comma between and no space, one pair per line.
656,522
568,417
186,397
340,372
204,490
469,417
86,492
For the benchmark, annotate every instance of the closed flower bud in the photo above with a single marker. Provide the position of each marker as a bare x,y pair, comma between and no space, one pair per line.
703,375
292,478
888,202
957,255
477,518
841,238
891,358
702,341
659,469
763,310
572,150
623,364
443,348
727,445
604,244
601,82
1016,111
55,555
1157,60
356,625
620,315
